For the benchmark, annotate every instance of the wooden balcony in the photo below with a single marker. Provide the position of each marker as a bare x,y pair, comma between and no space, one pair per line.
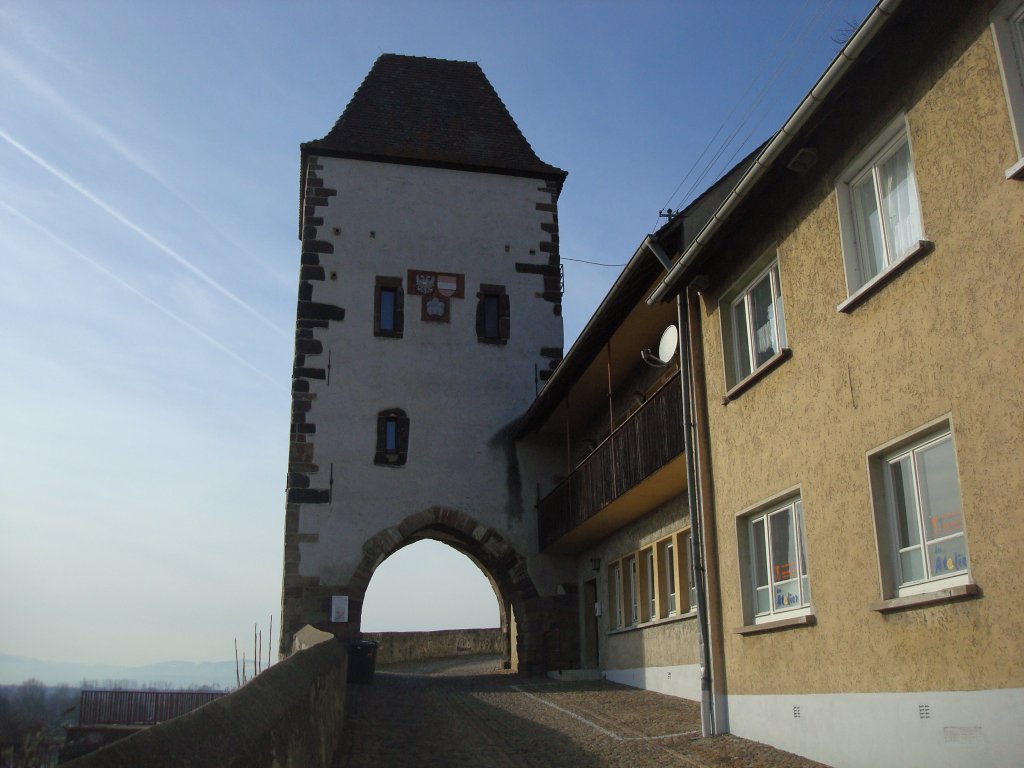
637,467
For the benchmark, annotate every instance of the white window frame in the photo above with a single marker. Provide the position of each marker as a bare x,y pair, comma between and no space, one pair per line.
749,582
651,591
668,556
634,590
894,584
1008,31
615,579
860,279
646,586
686,544
734,337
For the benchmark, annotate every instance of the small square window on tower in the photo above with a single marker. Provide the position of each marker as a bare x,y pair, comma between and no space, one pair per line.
392,438
492,315
388,307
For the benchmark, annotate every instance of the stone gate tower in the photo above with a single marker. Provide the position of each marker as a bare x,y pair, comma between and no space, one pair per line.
428,315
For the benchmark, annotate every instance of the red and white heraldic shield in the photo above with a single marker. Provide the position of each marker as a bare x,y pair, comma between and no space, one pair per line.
447,285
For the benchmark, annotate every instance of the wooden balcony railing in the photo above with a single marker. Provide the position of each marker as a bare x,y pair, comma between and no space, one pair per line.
138,707
642,444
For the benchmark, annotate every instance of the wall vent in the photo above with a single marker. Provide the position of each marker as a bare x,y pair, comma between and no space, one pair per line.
796,711
803,160
924,711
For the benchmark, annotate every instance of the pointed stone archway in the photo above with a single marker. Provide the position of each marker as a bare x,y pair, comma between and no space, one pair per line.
523,612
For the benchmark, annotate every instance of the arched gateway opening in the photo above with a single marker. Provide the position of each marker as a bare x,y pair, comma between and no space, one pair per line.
428,586
503,567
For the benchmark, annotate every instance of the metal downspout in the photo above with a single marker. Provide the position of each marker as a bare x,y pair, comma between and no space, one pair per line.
706,507
707,714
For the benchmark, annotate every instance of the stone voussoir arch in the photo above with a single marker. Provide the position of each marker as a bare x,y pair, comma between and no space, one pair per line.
501,563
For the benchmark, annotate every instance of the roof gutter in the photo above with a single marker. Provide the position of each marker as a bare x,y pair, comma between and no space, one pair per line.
844,61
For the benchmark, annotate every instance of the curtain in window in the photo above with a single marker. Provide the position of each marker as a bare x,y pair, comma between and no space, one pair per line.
763,311
899,201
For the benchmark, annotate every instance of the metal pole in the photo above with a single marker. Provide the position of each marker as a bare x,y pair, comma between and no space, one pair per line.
707,715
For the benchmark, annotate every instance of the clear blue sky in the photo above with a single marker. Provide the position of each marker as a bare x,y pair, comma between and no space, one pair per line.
148,215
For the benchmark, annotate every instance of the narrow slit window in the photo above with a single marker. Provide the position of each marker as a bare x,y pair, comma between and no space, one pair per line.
389,308
492,315
392,438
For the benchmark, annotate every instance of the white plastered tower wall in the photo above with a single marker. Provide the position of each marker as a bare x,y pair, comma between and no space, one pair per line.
459,394
462,479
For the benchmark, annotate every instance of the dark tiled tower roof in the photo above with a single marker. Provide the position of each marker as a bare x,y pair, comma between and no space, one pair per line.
435,112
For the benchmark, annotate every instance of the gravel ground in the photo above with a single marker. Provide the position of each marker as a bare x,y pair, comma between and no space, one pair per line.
468,712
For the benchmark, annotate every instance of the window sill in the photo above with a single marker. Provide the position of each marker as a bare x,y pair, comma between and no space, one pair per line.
807,620
1016,171
961,592
911,255
770,364
656,623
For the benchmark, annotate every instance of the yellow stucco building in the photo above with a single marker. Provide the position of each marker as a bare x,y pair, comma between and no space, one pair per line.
850,307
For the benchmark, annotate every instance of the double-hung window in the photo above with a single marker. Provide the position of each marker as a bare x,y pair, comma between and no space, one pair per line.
1008,30
879,209
922,521
754,323
776,562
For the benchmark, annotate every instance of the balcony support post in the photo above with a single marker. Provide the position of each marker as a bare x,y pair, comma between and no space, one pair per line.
611,419
568,439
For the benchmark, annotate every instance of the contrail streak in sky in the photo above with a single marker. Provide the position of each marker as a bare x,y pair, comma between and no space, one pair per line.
44,91
161,246
129,287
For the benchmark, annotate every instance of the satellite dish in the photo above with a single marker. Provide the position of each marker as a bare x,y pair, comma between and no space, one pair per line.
669,344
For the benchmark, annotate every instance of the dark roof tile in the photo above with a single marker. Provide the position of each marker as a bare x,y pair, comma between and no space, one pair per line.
432,112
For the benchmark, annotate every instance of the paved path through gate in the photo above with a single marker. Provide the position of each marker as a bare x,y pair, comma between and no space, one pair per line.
463,712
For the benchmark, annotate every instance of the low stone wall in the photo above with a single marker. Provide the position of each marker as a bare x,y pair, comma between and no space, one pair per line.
412,646
290,716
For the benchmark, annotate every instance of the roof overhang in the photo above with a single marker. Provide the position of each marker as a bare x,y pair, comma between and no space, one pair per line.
767,157
635,278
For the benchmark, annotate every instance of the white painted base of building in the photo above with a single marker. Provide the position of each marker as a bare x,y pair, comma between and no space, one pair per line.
575,674
681,680
946,728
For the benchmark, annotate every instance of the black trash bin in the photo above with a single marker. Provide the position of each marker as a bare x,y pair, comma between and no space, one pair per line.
362,658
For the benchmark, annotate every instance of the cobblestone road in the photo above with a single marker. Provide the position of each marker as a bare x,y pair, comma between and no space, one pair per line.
470,713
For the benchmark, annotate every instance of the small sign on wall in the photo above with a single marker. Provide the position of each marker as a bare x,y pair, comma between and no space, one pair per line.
339,609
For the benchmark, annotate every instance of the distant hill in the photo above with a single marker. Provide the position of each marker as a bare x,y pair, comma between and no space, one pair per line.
172,674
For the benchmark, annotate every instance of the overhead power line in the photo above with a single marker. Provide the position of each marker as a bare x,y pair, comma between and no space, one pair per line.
791,43
595,263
